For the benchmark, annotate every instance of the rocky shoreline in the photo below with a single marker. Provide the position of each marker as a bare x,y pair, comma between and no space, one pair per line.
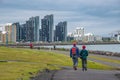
107,53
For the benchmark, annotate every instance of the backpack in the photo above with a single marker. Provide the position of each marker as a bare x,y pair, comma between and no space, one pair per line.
74,56
74,51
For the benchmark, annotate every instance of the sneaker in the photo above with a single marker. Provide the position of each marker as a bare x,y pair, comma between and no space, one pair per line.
83,69
75,68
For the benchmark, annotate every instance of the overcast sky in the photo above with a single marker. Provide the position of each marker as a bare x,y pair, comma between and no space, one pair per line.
99,17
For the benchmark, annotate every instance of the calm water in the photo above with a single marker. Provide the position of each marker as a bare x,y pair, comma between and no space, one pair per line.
109,47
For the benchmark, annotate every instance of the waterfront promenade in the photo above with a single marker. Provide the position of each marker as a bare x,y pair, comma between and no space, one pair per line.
69,74
91,74
54,43
103,47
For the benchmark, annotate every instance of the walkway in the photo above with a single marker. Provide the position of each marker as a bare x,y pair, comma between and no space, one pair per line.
70,74
91,74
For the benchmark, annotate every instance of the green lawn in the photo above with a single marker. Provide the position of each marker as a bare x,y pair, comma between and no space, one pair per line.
105,59
24,63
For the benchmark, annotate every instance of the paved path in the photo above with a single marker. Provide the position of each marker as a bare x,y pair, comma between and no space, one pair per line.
91,74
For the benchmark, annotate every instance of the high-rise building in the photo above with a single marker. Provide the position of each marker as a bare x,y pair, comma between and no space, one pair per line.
1,33
31,29
34,21
24,32
40,34
47,28
61,31
8,29
3,36
16,32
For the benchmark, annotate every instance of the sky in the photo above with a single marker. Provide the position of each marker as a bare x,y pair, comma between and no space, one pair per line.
100,17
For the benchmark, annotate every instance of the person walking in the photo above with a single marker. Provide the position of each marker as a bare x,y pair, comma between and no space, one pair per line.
83,56
74,54
31,45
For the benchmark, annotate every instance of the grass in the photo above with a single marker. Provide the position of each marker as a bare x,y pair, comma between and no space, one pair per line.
94,65
105,59
20,64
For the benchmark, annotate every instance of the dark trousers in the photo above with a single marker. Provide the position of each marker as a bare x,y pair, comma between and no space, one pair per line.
84,64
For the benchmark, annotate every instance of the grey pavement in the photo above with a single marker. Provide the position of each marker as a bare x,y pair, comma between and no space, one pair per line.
91,74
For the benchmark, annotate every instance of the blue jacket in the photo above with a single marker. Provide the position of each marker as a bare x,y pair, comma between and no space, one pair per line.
77,52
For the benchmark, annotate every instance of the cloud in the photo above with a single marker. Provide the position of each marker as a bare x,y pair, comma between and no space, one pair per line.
23,15
99,17
59,4
91,23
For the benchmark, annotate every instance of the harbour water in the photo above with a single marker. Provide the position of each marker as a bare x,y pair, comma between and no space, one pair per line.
106,47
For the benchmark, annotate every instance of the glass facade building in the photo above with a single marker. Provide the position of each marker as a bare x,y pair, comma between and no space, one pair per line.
31,30
34,22
47,28
16,29
61,31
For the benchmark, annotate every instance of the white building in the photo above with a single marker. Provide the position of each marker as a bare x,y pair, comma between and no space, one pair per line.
78,33
98,38
89,37
2,33
78,37
2,26
70,35
3,36
118,37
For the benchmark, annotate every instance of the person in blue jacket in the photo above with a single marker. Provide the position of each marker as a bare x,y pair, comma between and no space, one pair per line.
83,56
74,54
